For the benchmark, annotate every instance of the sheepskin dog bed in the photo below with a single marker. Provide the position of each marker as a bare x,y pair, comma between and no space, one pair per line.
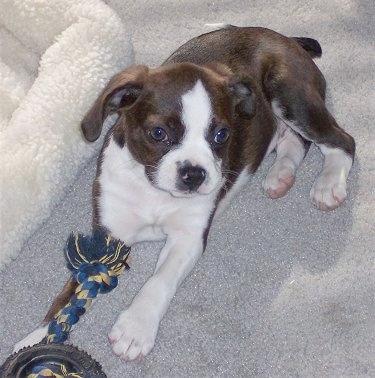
55,56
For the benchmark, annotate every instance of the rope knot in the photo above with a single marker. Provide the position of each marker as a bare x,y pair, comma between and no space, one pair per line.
96,248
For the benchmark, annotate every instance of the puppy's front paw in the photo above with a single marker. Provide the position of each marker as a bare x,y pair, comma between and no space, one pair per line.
328,194
133,335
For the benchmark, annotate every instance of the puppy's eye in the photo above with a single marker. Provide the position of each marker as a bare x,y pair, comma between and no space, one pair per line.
159,134
221,136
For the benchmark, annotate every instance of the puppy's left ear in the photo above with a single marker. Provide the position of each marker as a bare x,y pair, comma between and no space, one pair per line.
242,88
122,91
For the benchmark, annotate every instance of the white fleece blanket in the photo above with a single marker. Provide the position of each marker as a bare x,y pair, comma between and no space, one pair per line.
55,56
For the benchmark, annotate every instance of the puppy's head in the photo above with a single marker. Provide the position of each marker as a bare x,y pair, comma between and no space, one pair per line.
178,121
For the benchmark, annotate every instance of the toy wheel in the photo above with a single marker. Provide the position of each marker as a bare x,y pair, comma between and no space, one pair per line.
54,356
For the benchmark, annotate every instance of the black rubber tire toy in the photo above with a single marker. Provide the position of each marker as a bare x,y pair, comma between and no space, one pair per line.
20,364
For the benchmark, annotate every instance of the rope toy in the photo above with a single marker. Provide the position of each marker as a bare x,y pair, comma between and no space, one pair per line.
95,262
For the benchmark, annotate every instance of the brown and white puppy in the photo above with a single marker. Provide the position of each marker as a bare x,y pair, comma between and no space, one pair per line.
189,134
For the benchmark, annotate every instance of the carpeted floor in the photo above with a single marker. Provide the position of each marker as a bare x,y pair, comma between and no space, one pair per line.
283,290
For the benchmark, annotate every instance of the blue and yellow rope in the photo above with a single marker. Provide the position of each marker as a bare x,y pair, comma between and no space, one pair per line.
95,262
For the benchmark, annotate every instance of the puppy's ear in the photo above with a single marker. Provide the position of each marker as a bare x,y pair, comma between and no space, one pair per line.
122,91
242,87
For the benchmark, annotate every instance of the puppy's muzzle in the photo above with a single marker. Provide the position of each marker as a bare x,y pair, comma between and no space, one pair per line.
190,177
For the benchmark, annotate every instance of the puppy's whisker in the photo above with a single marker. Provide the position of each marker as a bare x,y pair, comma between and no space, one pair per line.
228,171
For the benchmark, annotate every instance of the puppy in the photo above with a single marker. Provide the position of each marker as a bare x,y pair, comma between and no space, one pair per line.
189,134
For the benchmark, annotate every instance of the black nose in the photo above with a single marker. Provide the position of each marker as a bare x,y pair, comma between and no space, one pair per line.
191,177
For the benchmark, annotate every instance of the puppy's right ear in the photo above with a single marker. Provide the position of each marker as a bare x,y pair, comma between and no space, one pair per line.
122,91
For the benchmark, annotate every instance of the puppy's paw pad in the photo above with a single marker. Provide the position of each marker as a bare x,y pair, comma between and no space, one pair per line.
132,336
327,197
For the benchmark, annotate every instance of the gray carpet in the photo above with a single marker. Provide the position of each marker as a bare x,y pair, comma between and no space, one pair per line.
283,290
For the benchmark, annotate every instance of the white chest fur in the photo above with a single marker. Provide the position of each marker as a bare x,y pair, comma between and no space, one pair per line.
134,210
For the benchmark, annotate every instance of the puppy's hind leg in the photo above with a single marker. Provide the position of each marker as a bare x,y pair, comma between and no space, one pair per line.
290,149
329,189
304,111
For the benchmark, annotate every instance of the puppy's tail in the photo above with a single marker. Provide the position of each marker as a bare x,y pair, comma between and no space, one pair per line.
312,46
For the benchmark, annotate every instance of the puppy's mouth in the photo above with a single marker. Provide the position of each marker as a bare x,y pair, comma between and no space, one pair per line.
187,193
205,189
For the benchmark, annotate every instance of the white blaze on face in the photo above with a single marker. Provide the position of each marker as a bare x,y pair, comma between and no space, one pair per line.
194,149
196,113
